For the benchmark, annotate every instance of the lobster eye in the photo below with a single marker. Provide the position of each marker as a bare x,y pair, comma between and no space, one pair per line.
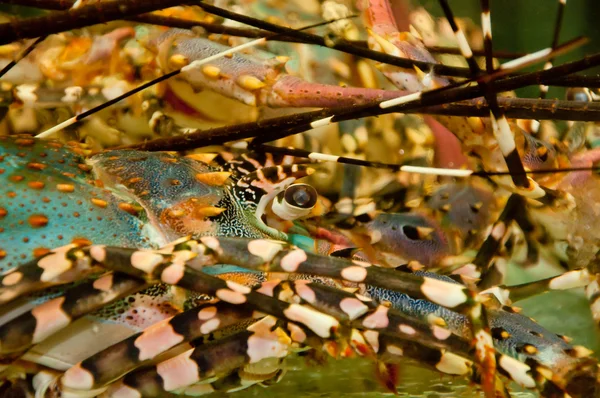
301,195
297,201
410,232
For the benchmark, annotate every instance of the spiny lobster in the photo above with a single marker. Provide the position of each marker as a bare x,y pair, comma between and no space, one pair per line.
205,271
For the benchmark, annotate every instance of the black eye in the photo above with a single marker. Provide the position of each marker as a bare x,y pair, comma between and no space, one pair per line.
301,195
411,232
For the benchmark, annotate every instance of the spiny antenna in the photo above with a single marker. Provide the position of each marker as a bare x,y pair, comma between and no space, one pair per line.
439,171
562,4
500,126
193,65
22,55
418,100
348,47
252,33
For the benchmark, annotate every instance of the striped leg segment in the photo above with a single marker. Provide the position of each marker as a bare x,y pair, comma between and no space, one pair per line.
59,266
44,320
135,351
259,343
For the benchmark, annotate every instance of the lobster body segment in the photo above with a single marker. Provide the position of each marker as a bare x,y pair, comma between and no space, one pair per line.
50,199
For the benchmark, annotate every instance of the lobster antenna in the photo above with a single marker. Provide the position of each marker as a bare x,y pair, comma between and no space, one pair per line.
252,33
279,127
425,98
347,47
25,52
439,171
193,65
323,157
557,26
500,126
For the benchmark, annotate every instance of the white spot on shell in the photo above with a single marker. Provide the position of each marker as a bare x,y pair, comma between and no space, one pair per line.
212,243
296,332
230,296
49,318
441,333
145,261
267,343
236,287
353,307
120,390
207,313
210,325
291,261
55,263
157,339
173,273
265,249
78,378
395,350
444,293
98,253
104,283
517,371
316,321
179,371
354,273
373,339
305,292
570,280
268,287
453,364
377,319
406,329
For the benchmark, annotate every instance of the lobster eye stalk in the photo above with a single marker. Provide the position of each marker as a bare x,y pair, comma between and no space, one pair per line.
295,202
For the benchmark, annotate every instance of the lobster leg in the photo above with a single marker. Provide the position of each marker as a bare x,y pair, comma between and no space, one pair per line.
135,351
58,313
385,37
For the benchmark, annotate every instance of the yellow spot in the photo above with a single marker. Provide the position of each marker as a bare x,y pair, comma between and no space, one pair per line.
176,213
65,187
35,184
38,220
250,82
178,61
99,202
129,208
202,157
208,211
216,178
211,71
